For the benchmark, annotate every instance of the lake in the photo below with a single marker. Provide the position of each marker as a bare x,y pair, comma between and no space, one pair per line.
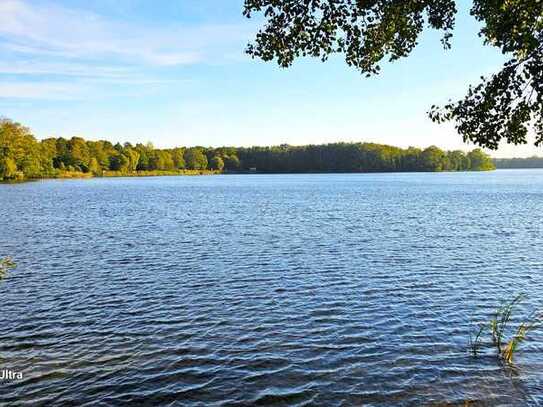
318,289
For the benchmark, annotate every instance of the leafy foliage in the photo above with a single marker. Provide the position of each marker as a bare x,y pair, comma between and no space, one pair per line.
364,31
195,159
216,163
504,106
359,157
530,162
22,156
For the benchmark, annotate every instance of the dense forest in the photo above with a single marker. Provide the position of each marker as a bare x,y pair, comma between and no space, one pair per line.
530,162
22,156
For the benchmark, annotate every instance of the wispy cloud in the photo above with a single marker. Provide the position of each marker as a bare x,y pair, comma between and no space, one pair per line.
88,88
37,90
62,68
58,31
52,52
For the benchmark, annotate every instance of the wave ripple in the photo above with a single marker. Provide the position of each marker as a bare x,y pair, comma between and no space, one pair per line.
268,290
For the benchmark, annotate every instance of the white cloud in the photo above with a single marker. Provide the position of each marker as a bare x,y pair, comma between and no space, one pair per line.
39,90
119,75
62,68
58,53
88,88
58,31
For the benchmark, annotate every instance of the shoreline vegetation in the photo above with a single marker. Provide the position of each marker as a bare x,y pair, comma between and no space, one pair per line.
500,326
23,157
6,264
518,163
113,174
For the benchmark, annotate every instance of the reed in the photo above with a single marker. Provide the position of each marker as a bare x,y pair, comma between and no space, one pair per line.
499,327
524,328
475,341
6,264
501,319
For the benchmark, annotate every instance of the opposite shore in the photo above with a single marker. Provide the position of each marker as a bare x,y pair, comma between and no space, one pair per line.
23,157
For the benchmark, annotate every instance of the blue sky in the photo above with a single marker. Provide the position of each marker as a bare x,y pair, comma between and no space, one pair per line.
174,72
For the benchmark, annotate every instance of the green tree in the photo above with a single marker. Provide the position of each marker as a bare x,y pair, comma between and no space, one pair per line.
78,153
480,161
133,157
144,161
411,159
432,159
63,158
178,158
504,106
31,166
119,162
195,159
102,151
216,163
232,163
166,160
457,161
94,167
8,168
161,160
19,145
48,151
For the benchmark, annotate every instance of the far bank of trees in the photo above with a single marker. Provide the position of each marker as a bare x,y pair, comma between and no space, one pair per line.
529,162
360,157
22,156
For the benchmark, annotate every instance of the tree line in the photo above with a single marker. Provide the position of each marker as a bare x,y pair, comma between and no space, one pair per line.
360,157
22,156
529,162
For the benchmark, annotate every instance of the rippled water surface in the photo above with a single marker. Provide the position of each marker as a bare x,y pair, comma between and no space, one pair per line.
325,290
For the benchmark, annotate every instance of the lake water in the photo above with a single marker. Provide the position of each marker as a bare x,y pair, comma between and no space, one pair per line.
328,290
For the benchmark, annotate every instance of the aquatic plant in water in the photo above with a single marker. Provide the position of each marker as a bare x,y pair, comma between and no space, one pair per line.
498,327
6,264
475,341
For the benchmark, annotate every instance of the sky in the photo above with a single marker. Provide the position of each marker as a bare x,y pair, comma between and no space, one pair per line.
174,72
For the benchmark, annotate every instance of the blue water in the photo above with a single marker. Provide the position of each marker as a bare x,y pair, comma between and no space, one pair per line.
328,290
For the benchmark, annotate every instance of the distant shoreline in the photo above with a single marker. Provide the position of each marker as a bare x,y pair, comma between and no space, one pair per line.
24,157
113,174
518,163
191,173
